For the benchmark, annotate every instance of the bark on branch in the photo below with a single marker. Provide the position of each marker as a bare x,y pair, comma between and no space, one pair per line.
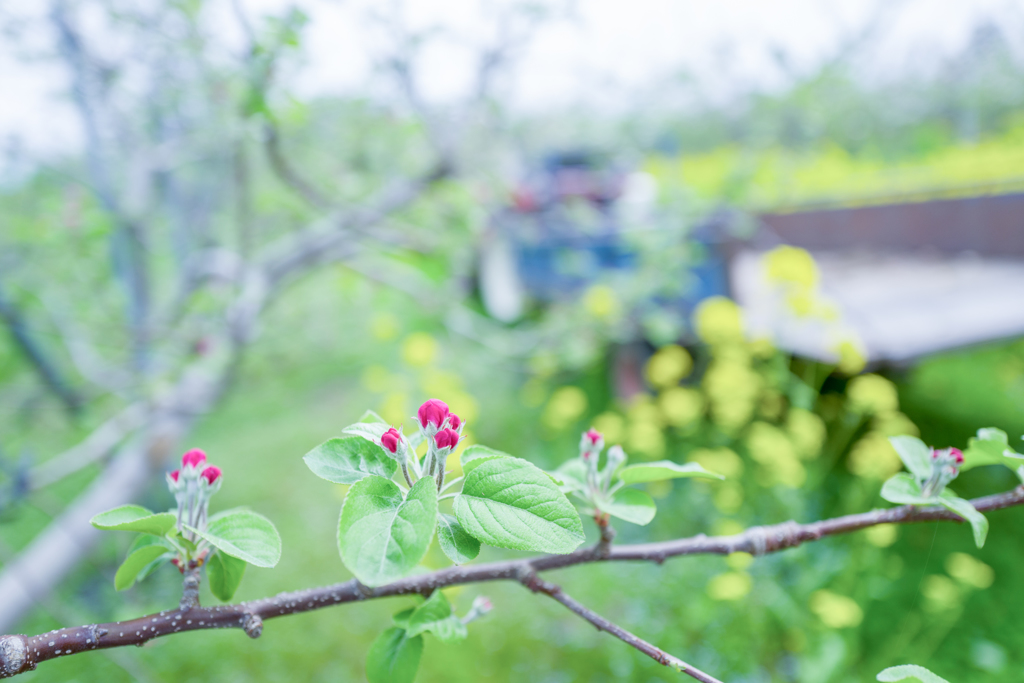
19,653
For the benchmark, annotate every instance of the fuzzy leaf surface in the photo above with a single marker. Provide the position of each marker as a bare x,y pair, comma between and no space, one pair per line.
382,535
663,469
394,657
244,534
510,503
135,518
348,459
456,543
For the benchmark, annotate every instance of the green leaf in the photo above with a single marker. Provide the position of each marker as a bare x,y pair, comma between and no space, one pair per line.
135,518
663,469
143,540
990,447
631,505
435,616
383,536
474,456
135,563
402,618
510,503
225,575
916,456
572,475
904,489
394,657
978,522
371,431
909,671
347,460
246,535
456,543
371,417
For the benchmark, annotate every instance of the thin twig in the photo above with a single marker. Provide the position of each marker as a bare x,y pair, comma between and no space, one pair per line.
538,585
20,653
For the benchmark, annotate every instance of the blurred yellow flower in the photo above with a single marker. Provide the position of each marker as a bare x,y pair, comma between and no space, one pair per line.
718,320
882,535
600,301
728,497
385,327
970,571
680,406
940,593
807,432
894,423
419,349
647,439
719,460
791,266
801,302
376,378
565,407
834,610
873,457
644,409
870,394
726,527
730,586
668,365
612,425
533,393
739,560
768,444
762,348
851,358
394,408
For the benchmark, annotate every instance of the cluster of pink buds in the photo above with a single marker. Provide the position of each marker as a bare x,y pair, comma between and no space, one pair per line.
442,430
599,481
945,468
193,485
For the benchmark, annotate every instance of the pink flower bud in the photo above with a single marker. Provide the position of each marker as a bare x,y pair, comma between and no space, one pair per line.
391,440
958,454
454,421
174,475
594,436
432,412
447,438
193,458
211,474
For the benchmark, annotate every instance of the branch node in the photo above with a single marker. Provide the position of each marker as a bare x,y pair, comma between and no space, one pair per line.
252,625
363,590
14,657
190,593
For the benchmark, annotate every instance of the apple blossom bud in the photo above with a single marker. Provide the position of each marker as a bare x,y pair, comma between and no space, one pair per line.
432,415
391,440
454,421
193,458
591,444
174,475
211,474
446,439
616,456
481,606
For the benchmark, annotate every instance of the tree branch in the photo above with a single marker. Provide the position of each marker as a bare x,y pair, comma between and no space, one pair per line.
538,585
19,653
37,356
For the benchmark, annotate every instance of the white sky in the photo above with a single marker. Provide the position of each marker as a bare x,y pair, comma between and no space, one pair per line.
609,48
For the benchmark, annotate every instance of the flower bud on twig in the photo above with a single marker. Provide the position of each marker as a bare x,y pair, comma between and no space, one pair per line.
432,415
191,461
